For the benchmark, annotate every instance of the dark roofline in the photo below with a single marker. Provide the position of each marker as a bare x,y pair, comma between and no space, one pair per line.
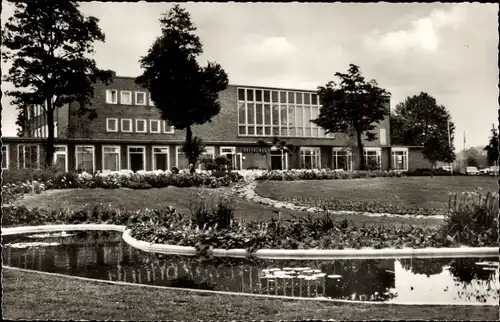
250,86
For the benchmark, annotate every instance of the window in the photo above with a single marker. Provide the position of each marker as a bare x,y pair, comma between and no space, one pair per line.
28,156
111,96
383,137
5,156
136,158
168,128
85,155
373,158
209,153
400,159
342,159
161,158
140,126
181,161
278,113
61,157
126,125
110,158
126,97
154,126
111,125
310,158
140,98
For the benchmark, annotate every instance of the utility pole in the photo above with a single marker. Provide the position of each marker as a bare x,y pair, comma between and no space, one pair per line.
465,155
449,142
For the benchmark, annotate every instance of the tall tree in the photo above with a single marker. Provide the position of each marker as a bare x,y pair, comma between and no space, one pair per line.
420,121
48,44
353,106
492,148
184,92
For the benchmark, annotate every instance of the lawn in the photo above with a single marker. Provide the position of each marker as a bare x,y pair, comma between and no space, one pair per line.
418,192
29,295
181,199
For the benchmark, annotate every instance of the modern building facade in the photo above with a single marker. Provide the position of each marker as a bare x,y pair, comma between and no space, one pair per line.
128,133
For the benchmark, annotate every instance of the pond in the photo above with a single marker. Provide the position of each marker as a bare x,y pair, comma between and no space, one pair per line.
105,256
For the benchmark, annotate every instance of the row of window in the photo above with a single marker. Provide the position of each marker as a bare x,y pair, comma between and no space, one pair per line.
43,131
256,119
277,96
310,158
128,97
155,126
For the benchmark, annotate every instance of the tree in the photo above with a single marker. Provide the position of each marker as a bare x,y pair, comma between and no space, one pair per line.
492,148
48,43
420,121
184,92
23,126
80,123
354,107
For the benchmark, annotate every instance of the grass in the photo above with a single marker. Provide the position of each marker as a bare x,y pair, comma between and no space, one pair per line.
29,295
180,197
417,192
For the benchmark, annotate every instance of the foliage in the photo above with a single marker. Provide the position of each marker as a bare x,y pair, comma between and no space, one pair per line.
184,92
427,172
324,174
492,148
80,123
193,149
212,210
353,106
473,217
334,204
16,183
48,43
420,121
219,163
435,149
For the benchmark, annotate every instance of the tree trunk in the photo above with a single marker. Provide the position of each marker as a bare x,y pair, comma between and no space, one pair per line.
360,150
49,148
189,140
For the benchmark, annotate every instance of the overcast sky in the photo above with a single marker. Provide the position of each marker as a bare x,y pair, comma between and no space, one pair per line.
447,50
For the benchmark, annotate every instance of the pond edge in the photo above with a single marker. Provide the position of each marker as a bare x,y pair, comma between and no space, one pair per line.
284,254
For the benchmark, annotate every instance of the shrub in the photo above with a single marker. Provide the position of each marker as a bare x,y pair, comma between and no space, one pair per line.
211,210
324,174
473,218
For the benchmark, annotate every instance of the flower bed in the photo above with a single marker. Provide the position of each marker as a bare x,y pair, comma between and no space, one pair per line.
114,180
361,206
324,174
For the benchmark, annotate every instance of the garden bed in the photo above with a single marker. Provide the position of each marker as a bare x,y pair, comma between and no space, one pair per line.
16,184
323,174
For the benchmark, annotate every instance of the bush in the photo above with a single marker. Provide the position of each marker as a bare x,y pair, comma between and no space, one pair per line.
427,172
212,210
324,174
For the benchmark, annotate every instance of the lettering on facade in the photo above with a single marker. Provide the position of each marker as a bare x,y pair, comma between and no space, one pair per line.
254,150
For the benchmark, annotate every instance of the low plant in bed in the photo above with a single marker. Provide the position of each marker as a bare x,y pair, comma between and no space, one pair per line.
362,206
16,183
212,224
324,174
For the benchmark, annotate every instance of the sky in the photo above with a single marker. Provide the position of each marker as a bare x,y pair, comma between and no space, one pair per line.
447,50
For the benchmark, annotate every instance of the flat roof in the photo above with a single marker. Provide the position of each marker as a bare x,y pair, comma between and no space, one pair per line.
254,86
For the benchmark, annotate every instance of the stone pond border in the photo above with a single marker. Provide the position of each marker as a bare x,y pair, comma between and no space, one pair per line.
246,190
288,254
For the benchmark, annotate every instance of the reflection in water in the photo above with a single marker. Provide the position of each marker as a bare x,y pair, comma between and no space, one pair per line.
104,255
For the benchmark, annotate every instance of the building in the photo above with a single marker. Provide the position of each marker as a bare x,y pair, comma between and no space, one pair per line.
128,133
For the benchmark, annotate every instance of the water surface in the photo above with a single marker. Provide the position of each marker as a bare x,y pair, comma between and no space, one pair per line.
104,255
